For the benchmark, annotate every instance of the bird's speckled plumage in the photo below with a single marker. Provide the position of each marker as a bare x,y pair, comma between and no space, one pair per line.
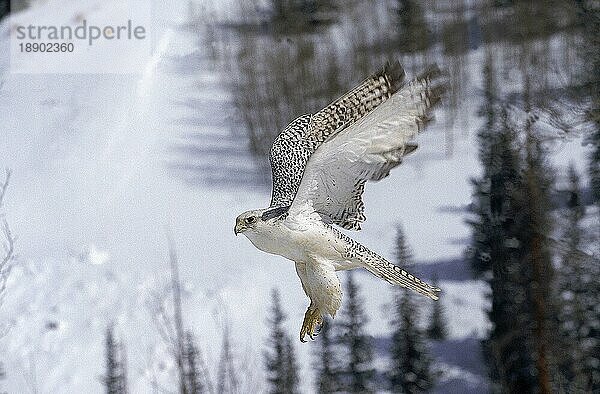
321,164
301,138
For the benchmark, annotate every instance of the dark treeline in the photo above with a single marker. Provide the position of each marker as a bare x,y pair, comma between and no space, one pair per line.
544,335
282,59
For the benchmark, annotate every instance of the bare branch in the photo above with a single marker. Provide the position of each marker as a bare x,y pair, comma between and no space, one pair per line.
8,242
4,186
161,319
8,259
177,314
149,373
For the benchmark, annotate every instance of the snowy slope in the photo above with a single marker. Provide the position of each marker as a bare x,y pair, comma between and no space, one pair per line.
96,182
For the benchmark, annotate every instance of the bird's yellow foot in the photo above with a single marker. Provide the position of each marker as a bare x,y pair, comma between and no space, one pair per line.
312,324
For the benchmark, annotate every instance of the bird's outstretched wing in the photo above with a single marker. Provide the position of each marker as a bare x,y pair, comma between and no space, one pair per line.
335,175
300,139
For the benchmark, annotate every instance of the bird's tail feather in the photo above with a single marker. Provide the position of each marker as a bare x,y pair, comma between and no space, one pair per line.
378,266
395,275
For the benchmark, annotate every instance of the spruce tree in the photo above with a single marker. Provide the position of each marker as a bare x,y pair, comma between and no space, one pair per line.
193,375
498,171
115,378
437,328
579,317
291,379
327,363
536,256
509,346
413,32
402,250
227,376
588,14
280,362
522,272
358,372
410,370
510,232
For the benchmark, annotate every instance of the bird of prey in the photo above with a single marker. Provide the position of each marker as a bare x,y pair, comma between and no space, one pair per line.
320,163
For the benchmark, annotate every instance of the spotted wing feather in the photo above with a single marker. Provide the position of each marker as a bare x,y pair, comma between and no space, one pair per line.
293,147
336,174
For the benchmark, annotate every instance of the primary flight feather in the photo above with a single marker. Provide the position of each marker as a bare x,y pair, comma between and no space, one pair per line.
320,164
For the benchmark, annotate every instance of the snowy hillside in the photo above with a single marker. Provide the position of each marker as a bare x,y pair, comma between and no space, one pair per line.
102,172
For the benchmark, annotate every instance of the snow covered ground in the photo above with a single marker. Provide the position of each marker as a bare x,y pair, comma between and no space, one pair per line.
94,191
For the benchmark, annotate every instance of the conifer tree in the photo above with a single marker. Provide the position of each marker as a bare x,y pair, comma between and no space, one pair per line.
280,362
498,170
410,370
497,236
536,256
327,363
291,380
402,251
2,372
115,379
437,328
227,376
193,375
510,232
579,317
411,365
413,33
358,372
588,14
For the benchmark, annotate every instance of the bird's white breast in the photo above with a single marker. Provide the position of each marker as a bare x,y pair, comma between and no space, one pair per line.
297,241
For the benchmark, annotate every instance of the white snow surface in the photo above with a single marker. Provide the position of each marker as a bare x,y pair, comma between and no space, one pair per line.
92,200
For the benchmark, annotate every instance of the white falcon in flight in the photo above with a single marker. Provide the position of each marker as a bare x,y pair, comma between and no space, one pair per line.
320,163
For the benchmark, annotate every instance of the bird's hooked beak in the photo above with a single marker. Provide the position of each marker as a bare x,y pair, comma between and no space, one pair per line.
239,227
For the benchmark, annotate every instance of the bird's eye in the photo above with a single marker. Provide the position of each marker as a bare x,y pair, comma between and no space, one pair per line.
251,219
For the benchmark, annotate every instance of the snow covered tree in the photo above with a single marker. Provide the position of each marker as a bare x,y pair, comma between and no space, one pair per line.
437,328
115,379
410,363
280,361
327,363
358,373
579,317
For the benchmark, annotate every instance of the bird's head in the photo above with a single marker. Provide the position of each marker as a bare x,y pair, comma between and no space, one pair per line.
249,220
258,220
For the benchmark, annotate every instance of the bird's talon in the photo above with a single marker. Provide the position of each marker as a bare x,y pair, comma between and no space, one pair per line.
311,325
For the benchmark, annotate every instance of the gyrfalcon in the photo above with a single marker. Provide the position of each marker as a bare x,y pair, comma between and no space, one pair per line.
320,163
